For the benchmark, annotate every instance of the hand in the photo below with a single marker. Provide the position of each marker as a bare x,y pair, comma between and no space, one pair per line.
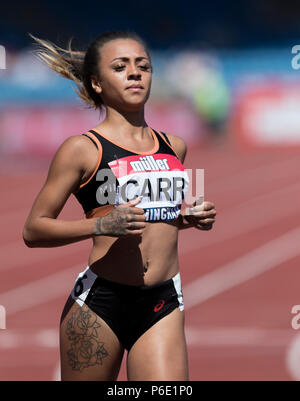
202,216
122,220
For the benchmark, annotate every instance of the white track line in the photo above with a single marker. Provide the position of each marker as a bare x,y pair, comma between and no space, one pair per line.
238,336
292,359
287,168
250,215
20,338
246,267
56,376
17,255
196,337
40,291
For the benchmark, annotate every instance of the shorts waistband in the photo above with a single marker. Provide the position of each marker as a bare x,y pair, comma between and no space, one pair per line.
116,285
87,279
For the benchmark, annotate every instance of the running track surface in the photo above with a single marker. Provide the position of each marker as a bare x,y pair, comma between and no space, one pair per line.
240,280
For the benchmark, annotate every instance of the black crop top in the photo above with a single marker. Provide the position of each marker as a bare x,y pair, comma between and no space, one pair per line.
122,175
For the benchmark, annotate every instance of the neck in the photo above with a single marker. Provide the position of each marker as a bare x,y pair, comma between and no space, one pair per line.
131,123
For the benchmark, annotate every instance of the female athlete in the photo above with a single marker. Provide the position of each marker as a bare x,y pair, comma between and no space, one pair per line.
130,181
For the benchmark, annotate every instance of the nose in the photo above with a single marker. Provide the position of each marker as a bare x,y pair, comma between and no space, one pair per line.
133,72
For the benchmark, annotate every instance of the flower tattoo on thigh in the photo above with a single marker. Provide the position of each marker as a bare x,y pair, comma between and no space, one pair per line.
86,349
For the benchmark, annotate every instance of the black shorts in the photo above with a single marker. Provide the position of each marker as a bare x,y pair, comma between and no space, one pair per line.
128,310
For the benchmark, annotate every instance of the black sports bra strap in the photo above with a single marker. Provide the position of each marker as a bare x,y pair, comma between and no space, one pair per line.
93,132
91,140
166,138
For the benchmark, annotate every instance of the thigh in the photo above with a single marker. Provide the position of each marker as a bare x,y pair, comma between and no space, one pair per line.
161,352
89,349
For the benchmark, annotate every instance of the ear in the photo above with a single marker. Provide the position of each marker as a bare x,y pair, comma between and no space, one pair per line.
96,85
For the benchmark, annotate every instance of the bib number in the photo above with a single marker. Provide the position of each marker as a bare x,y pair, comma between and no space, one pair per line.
78,290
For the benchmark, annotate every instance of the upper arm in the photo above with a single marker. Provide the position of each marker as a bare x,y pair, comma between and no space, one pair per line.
179,145
64,175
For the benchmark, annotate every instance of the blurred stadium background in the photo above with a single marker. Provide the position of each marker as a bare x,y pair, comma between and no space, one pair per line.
226,79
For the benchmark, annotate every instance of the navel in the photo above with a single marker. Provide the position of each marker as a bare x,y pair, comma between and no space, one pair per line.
146,266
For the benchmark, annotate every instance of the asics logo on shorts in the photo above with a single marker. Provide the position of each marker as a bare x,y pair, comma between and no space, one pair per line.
159,305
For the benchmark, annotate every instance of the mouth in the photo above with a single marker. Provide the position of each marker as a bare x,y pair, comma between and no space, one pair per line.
135,88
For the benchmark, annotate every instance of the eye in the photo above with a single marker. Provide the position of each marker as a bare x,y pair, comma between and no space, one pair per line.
145,67
119,67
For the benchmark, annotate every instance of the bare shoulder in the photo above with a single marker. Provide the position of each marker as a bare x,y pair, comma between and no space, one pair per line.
179,145
73,151
72,159
74,145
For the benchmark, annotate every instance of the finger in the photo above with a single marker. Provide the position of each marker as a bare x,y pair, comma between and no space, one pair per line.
135,217
134,232
137,210
204,206
207,221
135,201
132,202
190,218
132,210
194,213
136,225
208,205
204,214
203,227
189,211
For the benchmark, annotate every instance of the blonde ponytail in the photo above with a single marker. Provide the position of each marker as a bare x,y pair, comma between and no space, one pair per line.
66,62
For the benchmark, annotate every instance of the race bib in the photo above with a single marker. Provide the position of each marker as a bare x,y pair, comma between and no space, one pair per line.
159,178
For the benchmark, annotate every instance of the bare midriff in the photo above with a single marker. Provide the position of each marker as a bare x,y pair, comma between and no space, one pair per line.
144,259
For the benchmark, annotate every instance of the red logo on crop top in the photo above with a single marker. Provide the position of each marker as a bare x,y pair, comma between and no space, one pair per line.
159,305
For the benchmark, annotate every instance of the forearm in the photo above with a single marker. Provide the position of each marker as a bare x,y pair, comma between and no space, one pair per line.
46,232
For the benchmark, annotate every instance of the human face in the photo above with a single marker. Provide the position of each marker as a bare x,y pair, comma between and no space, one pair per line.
125,75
